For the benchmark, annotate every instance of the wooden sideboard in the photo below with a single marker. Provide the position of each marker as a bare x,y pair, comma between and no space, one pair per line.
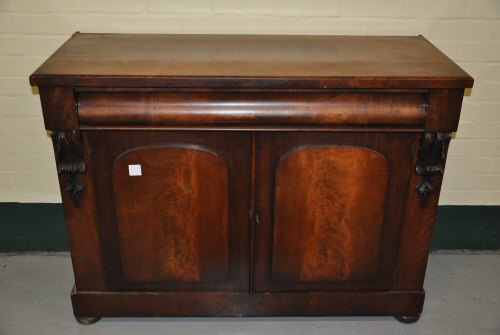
220,175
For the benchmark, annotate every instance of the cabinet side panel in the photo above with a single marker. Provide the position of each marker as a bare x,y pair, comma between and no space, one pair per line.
416,239
173,214
329,213
416,234
83,231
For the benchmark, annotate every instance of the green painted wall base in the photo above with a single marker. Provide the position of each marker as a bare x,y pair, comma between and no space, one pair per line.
32,227
41,227
467,227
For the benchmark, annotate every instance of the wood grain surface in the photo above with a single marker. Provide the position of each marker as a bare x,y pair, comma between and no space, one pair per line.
329,222
184,304
134,60
329,205
183,225
278,172
166,215
252,108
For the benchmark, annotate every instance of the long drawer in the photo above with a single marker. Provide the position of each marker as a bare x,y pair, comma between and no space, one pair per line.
252,108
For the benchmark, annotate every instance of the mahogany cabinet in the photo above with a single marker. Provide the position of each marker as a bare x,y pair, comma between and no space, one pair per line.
249,175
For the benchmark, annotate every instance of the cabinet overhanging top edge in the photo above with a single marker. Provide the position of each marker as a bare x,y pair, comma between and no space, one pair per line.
267,61
252,82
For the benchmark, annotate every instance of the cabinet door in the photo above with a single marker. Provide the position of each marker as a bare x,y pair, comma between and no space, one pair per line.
329,208
173,208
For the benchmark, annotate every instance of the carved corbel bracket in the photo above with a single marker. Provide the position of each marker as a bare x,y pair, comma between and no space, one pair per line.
431,157
69,151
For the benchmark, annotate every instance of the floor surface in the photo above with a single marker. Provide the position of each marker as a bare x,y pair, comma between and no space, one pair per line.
463,297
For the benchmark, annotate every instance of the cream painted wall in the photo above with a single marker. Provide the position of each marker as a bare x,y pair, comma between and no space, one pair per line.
468,31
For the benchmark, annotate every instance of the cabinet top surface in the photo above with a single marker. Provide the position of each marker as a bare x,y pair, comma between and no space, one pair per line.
249,61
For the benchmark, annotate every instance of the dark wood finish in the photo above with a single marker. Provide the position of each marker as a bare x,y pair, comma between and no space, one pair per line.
237,61
241,304
322,228
183,224
183,232
377,252
431,158
416,235
444,107
69,150
83,229
59,108
280,175
314,109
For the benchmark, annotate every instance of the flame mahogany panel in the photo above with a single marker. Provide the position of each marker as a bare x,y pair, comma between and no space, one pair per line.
183,224
330,209
166,215
322,196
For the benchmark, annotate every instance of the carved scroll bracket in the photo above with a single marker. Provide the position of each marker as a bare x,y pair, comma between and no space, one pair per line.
69,150
431,157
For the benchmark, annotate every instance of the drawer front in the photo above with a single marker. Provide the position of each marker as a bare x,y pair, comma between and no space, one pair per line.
173,209
330,208
240,109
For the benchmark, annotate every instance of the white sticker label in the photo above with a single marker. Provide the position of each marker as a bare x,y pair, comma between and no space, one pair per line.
134,170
